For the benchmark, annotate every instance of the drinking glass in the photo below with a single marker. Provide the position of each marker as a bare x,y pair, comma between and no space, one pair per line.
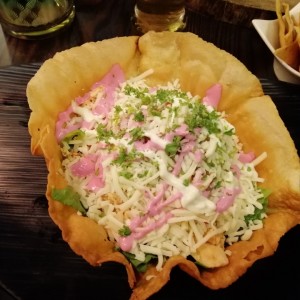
159,15
30,19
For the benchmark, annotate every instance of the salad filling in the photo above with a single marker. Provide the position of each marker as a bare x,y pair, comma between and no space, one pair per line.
162,170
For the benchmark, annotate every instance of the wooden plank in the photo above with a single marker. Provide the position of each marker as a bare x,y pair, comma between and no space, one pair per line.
225,11
261,4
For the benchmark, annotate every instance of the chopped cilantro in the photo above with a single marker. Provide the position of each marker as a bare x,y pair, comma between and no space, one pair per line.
258,212
211,164
155,112
124,231
172,148
130,109
124,158
118,108
136,134
139,117
201,117
186,182
126,174
164,95
140,93
218,184
142,175
103,133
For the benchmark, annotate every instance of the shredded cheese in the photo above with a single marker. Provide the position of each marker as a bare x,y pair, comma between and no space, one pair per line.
171,165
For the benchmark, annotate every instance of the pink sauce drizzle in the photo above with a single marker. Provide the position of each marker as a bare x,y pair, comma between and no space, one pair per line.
168,201
246,157
236,170
169,136
197,181
155,208
182,130
63,128
126,242
213,95
109,83
188,146
149,145
152,211
178,164
84,166
198,156
95,183
227,199
90,165
163,219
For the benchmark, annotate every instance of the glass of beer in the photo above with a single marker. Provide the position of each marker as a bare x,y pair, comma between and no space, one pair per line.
31,19
159,15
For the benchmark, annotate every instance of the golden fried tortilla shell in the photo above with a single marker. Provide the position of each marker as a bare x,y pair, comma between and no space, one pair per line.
59,80
70,74
261,130
198,65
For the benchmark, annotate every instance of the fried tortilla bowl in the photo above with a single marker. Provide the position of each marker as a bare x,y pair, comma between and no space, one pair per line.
198,65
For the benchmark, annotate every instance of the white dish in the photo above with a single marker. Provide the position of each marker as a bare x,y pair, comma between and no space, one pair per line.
268,31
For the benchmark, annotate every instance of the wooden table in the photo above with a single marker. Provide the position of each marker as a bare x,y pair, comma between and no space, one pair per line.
35,263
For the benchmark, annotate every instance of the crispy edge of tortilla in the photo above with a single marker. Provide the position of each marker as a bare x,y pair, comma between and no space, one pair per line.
69,74
198,65
260,129
244,254
239,91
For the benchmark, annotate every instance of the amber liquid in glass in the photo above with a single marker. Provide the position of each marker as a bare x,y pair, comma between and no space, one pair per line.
35,18
160,15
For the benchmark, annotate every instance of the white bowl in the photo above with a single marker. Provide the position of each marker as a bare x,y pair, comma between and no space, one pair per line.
268,31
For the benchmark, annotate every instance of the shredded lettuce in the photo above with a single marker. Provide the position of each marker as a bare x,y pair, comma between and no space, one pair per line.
172,148
73,135
68,197
140,266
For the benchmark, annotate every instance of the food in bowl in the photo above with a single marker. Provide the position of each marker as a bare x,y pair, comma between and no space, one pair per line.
284,56
289,36
160,150
159,169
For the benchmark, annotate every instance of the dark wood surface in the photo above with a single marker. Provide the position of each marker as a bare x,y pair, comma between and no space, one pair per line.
35,263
